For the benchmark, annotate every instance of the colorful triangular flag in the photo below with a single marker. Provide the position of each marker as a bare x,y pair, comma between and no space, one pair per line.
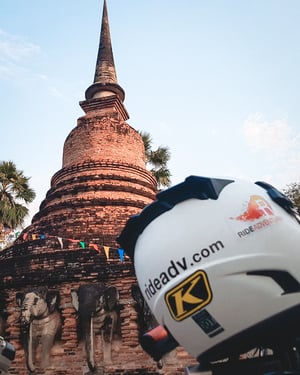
121,254
60,242
94,246
106,250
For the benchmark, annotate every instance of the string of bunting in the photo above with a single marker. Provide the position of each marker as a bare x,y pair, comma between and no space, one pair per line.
83,244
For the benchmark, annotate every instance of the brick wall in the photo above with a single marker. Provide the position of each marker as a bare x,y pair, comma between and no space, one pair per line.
104,139
63,270
103,181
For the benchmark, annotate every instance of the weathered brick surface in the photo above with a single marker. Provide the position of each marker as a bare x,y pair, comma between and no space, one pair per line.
104,138
63,270
103,181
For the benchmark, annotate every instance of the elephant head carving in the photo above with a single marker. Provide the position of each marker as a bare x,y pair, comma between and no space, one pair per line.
40,323
2,326
3,317
97,306
146,319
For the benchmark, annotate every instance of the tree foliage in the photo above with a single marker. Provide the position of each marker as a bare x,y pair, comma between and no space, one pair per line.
158,160
293,192
14,192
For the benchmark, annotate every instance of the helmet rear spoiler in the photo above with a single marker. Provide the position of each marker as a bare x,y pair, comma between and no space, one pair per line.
192,187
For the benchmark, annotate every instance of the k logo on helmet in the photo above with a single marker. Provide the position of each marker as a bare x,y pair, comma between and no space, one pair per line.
189,296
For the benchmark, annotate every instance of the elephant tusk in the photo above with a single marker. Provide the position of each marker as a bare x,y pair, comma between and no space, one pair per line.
92,334
91,354
30,364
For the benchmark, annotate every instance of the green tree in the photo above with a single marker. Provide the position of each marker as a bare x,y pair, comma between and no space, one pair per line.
14,192
293,192
158,160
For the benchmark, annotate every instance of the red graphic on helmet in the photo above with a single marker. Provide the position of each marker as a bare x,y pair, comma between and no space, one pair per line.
257,207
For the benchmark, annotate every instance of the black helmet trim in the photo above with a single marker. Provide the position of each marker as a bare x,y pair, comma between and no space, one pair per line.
278,330
283,278
278,197
193,187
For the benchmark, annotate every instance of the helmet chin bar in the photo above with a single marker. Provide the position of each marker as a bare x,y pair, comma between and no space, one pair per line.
270,348
263,364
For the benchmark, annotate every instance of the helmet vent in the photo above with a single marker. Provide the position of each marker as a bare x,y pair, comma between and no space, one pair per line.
283,278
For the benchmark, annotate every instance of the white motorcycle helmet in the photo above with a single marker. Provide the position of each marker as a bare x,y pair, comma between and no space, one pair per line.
218,263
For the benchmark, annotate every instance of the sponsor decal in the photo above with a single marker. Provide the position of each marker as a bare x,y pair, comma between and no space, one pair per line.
257,207
189,296
175,267
207,323
259,212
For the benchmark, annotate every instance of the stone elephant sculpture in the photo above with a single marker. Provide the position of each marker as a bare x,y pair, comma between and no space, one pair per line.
146,320
40,323
97,306
2,326
3,316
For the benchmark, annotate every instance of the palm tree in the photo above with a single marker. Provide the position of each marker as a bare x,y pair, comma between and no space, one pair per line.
14,190
158,159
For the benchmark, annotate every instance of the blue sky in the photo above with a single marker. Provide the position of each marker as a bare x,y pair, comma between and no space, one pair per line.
217,81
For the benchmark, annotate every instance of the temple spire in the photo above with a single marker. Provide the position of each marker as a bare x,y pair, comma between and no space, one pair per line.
105,79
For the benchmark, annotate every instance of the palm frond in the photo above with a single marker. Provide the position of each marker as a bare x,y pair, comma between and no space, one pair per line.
14,189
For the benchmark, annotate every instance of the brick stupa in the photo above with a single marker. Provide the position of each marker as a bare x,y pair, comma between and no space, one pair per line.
103,178
72,239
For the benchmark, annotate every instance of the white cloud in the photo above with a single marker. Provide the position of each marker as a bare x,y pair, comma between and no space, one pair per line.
16,56
15,48
277,144
15,52
262,135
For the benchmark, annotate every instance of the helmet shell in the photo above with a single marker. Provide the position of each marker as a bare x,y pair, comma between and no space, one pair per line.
215,271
